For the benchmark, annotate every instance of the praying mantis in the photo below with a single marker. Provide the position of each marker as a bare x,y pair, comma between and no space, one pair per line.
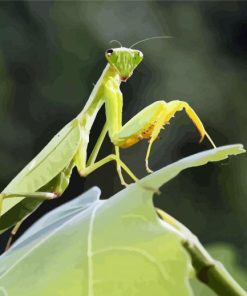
48,174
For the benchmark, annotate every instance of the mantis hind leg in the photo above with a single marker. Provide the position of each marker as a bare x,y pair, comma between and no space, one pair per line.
12,235
50,191
39,196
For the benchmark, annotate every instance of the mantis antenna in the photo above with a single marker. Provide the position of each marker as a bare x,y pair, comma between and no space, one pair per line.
116,41
150,38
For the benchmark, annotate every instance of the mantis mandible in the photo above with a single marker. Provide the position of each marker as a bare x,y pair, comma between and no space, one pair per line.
48,174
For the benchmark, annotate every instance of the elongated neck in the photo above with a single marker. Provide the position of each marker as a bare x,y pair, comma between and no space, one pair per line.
109,74
96,99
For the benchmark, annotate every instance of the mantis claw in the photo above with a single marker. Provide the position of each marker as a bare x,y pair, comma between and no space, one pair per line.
124,183
147,167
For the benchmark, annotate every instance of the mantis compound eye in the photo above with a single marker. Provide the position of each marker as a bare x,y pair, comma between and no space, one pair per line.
109,51
140,54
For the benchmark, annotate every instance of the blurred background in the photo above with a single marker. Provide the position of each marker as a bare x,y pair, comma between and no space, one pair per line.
52,53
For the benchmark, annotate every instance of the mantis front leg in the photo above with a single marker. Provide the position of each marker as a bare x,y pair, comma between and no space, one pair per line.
148,123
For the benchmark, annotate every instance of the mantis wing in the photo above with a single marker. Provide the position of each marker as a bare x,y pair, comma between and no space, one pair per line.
56,155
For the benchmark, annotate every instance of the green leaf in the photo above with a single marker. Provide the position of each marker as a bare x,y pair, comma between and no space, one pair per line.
98,248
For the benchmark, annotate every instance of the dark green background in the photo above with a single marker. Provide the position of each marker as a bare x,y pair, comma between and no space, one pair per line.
51,54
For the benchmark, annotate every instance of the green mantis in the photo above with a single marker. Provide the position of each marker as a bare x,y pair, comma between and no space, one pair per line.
48,174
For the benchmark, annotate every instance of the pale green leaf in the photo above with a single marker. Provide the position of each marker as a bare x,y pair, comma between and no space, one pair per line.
110,247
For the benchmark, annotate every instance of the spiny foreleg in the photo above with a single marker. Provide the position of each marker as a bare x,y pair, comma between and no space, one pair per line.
148,123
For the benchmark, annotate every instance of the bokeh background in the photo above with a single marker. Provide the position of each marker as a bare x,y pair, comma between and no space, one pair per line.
51,54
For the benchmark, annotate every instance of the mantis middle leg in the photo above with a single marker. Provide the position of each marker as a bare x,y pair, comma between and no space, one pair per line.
86,168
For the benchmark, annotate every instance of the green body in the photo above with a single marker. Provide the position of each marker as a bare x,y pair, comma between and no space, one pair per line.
51,169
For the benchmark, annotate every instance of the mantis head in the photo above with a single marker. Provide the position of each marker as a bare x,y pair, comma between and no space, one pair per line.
124,60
